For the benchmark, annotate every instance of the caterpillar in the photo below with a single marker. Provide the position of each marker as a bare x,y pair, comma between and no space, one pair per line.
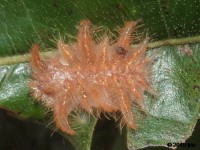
96,77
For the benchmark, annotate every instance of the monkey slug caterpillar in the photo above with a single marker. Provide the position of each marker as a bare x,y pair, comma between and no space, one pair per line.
97,77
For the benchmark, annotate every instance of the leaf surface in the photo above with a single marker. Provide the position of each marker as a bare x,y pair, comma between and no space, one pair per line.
170,117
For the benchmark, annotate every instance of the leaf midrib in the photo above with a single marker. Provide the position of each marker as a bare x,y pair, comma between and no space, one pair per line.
9,60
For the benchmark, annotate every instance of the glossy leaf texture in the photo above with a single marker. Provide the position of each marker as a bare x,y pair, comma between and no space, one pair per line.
24,22
170,117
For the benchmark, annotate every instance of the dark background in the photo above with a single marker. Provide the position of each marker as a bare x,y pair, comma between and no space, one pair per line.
16,134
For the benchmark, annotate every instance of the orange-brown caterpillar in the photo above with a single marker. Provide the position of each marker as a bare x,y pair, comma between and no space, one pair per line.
94,77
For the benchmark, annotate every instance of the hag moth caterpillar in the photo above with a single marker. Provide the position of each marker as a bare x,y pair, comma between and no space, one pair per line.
97,77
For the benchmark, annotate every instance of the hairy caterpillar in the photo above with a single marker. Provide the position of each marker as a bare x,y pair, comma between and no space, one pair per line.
97,77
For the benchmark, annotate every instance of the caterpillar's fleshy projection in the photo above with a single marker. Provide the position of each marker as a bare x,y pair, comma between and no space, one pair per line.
97,77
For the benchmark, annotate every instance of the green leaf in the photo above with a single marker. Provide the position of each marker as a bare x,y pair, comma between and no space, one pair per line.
170,117
14,92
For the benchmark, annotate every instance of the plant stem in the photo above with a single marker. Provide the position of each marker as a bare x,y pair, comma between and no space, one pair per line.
188,40
25,58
